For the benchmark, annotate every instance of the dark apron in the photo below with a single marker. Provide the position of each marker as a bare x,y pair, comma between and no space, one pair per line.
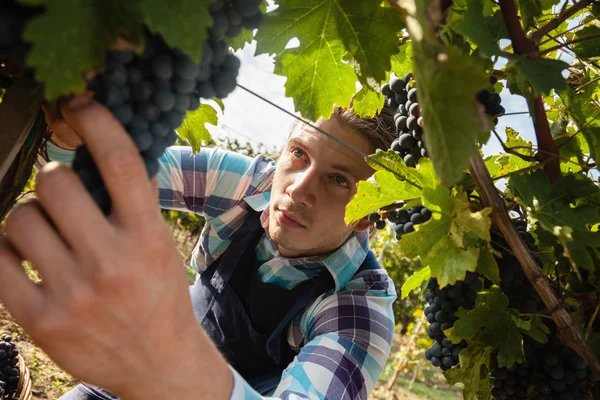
246,318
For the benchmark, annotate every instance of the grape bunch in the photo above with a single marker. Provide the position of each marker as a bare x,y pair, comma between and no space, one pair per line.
403,221
491,101
401,95
550,371
150,94
9,366
513,281
443,303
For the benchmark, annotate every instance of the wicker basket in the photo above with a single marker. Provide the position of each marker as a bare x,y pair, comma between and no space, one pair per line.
24,388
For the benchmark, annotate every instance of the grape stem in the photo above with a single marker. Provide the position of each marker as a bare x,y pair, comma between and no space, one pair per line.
564,14
511,150
591,323
535,315
524,46
568,332
568,43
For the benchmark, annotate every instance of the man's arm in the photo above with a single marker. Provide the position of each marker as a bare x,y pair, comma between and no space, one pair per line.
210,182
349,337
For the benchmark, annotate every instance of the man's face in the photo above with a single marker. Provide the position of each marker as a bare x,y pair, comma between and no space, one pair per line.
314,180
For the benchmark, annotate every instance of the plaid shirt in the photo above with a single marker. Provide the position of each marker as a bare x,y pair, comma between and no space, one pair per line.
343,338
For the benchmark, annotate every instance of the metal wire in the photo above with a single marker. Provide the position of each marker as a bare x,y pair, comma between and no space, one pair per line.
329,135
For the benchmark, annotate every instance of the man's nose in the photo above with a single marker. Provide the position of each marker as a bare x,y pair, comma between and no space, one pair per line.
303,189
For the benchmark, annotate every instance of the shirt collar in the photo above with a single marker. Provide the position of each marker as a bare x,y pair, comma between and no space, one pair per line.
342,263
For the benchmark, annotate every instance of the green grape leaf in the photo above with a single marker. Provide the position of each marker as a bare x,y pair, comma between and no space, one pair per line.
415,281
194,129
516,143
473,373
446,90
487,265
566,209
495,322
367,102
340,42
439,241
538,330
474,26
68,40
543,74
371,196
182,23
402,61
588,122
587,48
530,9
241,40
390,160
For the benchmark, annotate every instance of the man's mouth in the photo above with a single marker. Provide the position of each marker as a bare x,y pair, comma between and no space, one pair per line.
288,219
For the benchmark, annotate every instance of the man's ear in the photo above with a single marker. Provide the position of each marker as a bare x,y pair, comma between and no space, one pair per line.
363,224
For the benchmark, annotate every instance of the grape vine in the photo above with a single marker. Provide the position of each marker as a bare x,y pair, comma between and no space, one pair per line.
525,222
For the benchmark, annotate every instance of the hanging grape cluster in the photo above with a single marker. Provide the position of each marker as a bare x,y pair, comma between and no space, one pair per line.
401,95
550,370
9,366
491,101
402,221
151,93
442,305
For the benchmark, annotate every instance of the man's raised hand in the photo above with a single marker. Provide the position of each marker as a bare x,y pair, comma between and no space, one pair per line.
114,308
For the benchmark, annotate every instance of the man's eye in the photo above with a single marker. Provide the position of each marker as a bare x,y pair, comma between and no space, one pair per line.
342,181
298,153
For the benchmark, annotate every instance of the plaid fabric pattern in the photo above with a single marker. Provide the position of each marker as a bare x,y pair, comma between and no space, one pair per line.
344,338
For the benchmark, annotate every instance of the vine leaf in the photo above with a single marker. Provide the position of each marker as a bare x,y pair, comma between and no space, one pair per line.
446,89
402,61
530,9
473,372
487,265
340,43
182,23
474,26
586,121
194,129
587,48
415,280
371,196
78,24
367,102
69,40
497,326
543,74
439,242
565,209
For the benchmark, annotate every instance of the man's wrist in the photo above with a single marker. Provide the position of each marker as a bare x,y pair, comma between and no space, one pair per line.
197,371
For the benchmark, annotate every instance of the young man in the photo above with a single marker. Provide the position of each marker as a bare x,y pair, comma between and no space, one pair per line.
290,301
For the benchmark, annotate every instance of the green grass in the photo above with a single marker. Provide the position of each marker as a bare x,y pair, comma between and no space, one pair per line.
429,391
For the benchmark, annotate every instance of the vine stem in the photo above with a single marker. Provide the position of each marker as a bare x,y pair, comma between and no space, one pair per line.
567,331
565,44
564,15
524,46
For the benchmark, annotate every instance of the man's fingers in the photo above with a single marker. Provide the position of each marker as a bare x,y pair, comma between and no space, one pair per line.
29,231
21,297
63,134
73,211
120,164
